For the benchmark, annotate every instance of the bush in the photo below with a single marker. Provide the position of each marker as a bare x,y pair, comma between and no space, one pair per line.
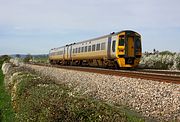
166,53
162,60
5,58
27,58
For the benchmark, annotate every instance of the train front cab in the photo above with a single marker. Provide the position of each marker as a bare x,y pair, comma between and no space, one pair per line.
129,49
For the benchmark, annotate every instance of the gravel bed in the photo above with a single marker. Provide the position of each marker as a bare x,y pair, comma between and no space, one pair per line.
151,98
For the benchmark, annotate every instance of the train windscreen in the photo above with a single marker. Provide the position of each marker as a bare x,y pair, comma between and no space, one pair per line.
121,41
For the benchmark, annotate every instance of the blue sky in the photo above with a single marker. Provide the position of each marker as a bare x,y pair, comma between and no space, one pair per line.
35,26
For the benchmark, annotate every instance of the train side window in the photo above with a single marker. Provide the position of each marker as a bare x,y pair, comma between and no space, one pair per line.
89,48
93,47
85,48
60,53
82,49
114,45
97,47
103,45
79,50
121,41
76,50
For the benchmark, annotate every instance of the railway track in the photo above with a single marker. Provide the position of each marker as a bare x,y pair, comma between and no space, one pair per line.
162,76
159,71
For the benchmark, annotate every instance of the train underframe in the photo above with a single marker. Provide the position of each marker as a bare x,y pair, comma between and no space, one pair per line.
106,63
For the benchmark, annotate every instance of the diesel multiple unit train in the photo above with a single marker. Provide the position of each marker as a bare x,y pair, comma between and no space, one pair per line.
121,49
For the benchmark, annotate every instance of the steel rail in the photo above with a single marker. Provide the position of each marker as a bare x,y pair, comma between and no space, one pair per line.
133,74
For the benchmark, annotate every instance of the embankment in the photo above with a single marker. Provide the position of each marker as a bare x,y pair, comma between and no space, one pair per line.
38,97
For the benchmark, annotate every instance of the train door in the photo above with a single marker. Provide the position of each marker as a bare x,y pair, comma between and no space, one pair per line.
130,46
70,52
114,46
64,53
109,47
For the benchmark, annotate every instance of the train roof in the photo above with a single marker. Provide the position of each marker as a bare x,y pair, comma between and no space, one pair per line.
108,35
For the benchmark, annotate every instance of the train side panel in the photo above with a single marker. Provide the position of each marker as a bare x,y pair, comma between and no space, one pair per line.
56,55
94,49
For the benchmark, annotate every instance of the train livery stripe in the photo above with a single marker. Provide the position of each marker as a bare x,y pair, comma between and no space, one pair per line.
109,47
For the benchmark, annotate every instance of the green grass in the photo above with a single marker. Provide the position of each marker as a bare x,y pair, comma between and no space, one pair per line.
6,111
41,59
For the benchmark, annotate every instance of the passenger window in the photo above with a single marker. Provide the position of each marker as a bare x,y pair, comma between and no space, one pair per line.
85,48
76,50
82,49
97,47
121,41
93,47
79,50
114,45
89,48
61,52
103,46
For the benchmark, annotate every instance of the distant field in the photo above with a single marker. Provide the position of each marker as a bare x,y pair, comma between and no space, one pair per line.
40,59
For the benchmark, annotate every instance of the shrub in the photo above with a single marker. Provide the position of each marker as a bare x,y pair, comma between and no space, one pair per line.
162,60
27,58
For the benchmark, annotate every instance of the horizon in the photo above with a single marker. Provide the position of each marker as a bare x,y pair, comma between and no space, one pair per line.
43,54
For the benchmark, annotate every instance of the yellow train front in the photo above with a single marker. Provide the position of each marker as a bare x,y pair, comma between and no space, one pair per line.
121,49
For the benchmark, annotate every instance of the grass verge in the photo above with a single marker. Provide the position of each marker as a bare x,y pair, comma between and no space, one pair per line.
6,111
39,99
